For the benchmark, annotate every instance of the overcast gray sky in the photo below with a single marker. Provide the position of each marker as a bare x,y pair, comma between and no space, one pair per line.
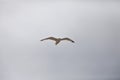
94,25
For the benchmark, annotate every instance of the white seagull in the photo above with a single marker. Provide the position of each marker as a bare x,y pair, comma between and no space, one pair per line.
57,40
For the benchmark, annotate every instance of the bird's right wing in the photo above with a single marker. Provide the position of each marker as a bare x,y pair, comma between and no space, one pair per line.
68,39
49,38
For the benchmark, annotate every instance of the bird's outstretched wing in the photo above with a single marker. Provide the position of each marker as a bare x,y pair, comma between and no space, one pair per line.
49,38
68,39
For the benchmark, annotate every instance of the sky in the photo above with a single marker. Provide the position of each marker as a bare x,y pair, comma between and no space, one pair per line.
93,25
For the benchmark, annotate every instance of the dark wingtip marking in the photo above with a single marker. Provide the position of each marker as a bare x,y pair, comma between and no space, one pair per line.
41,40
73,41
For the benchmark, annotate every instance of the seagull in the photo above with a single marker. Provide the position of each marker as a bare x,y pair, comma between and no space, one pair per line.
57,40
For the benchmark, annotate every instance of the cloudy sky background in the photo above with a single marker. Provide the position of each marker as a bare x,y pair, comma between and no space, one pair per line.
94,25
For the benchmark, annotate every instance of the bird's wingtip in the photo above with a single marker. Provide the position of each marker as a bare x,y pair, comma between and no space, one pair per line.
73,41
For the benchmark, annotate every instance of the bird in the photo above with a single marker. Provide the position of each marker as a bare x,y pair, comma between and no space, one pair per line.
58,40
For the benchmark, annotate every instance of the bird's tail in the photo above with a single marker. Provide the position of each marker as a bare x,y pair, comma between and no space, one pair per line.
57,42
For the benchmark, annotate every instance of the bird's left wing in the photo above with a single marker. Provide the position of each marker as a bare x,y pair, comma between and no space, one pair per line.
49,38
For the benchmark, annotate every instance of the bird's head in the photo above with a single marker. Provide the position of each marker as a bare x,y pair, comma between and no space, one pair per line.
59,38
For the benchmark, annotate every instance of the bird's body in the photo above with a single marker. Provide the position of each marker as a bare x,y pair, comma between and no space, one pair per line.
57,40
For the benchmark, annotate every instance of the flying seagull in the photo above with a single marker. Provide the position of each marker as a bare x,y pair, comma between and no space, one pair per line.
57,40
